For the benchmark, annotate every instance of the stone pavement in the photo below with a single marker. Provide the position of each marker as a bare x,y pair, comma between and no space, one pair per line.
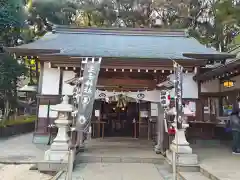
115,171
219,161
21,149
21,172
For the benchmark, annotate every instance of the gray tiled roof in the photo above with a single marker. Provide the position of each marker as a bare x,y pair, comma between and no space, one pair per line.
111,44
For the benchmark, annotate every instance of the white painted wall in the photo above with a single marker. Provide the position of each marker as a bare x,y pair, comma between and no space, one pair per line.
43,110
190,87
210,86
236,84
50,82
66,88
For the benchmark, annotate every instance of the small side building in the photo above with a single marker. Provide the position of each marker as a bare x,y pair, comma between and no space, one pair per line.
219,92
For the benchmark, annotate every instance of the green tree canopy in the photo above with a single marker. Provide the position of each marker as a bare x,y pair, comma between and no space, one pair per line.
11,20
10,71
218,25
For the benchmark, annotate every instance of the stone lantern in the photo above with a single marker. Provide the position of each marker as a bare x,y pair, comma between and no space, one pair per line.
59,149
180,145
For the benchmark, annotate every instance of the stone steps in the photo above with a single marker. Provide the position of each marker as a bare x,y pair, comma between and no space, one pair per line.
202,174
192,176
115,171
115,159
208,174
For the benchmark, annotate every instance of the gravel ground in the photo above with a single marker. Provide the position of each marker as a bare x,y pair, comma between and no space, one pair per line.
21,172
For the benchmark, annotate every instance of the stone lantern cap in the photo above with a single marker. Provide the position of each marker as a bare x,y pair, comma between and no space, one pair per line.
64,106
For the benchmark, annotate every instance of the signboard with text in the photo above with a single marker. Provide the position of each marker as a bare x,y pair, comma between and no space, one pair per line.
87,96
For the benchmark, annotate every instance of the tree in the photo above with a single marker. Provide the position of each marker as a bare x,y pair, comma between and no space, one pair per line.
219,26
10,71
42,14
173,14
11,21
95,13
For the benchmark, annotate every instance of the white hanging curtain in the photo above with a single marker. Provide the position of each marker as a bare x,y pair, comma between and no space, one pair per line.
151,96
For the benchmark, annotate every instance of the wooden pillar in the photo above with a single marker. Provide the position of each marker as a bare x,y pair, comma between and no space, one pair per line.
60,82
199,104
39,91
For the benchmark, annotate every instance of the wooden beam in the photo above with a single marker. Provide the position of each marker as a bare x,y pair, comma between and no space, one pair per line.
219,94
127,74
127,82
141,67
125,89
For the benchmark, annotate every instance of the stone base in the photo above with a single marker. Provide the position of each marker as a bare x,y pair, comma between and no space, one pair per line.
158,149
51,166
183,159
181,149
59,146
59,156
40,138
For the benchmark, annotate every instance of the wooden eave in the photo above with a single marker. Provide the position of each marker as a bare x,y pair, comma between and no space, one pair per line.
122,62
59,60
232,69
30,52
217,56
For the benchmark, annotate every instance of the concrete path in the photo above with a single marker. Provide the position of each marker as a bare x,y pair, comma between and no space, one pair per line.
115,171
21,149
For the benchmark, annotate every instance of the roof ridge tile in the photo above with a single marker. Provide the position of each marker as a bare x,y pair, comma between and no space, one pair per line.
121,31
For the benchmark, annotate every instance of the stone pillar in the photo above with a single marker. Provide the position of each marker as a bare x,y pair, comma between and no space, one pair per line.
59,149
159,148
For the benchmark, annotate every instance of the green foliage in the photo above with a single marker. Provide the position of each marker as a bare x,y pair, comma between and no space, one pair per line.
222,24
10,71
57,12
19,120
235,42
218,31
11,20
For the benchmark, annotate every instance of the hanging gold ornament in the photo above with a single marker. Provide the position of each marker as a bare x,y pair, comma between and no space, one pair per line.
122,101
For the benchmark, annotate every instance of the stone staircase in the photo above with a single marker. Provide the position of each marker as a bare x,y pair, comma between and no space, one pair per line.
122,159
202,174
115,171
163,168
192,176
